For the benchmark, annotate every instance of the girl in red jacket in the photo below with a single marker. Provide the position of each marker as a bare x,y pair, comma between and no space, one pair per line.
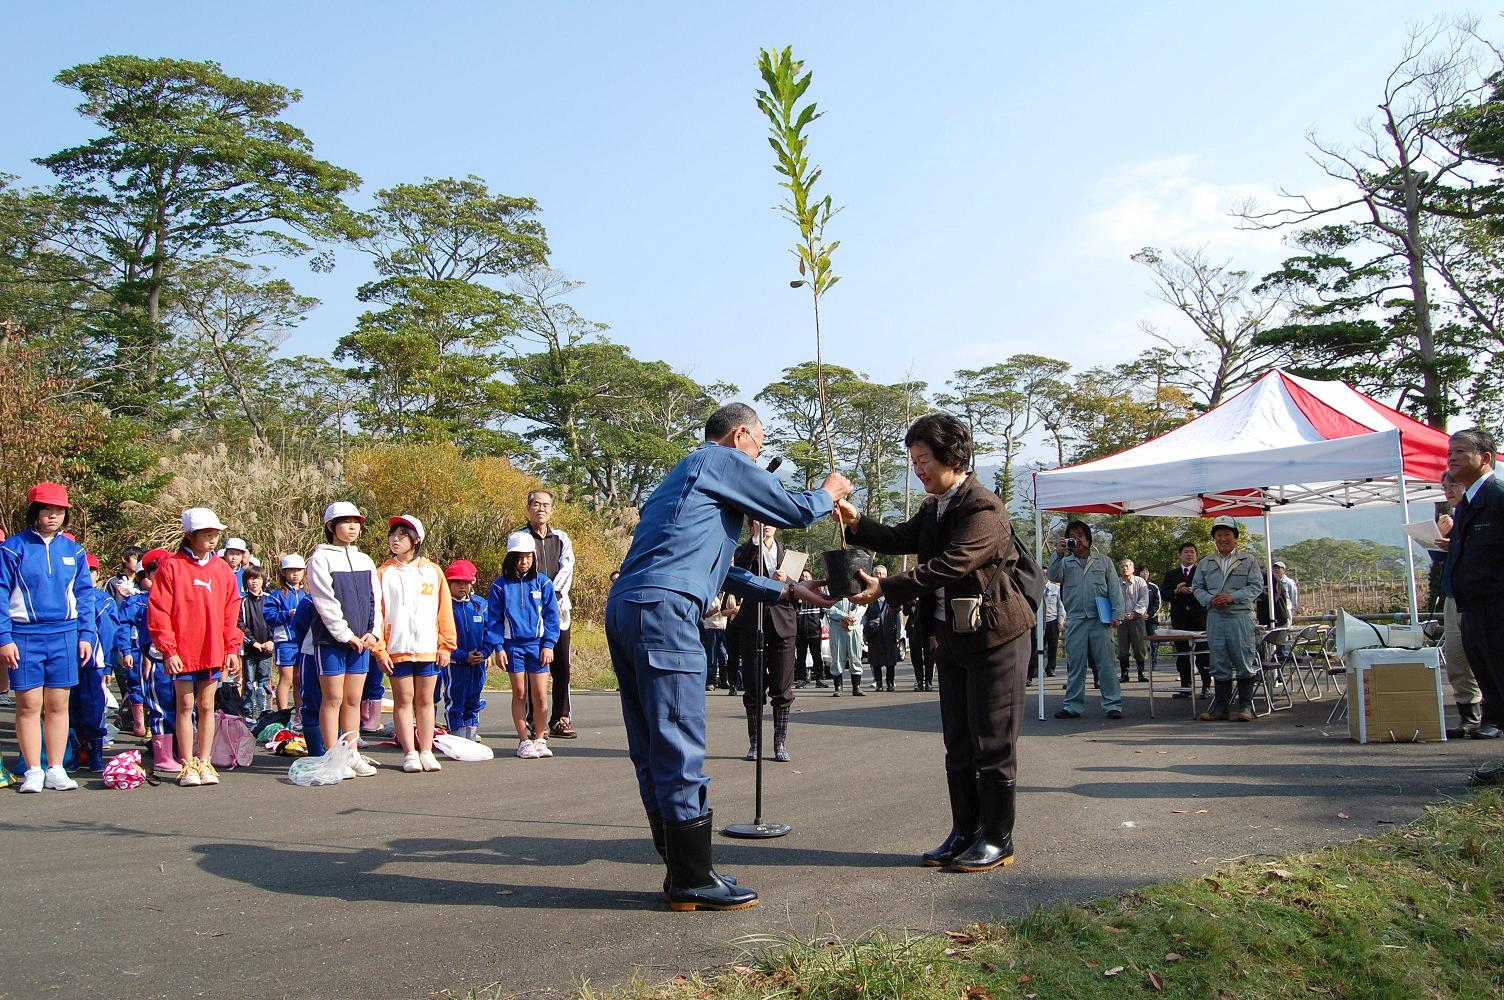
193,615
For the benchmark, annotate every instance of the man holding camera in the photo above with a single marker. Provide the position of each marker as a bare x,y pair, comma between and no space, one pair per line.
1084,577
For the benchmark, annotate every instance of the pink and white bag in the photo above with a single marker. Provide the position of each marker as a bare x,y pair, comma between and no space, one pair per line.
124,770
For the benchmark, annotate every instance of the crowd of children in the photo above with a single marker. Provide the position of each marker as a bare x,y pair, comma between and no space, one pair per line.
175,624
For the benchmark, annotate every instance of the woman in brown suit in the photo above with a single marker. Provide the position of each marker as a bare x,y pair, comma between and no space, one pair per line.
964,542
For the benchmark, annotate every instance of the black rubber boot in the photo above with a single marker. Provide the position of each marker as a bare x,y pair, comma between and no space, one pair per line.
993,846
660,844
965,814
753,731
1245,711
1218,710
692,882
781,733
856,685
1469,717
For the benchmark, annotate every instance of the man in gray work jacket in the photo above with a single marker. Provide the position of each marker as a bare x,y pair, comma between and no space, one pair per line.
1227,583
1084,576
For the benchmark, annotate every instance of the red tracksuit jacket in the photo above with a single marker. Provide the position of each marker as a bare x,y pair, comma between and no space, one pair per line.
194,611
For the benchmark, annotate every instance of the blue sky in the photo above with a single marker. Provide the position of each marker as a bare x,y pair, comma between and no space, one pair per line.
997,163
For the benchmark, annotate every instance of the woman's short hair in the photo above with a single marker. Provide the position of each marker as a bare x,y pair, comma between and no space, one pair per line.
946,437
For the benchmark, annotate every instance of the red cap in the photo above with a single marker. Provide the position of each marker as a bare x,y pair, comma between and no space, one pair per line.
92,560
153,556
462,570
49,493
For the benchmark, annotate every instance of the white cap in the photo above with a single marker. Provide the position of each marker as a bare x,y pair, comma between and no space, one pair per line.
253,560
343,508
293,561
236,544
1225,521
199,518
411,522
521,541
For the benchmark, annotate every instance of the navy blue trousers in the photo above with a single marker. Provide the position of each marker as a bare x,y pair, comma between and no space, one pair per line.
654,636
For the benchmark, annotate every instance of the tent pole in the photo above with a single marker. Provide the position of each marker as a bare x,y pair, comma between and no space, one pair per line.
1404,498
1039,622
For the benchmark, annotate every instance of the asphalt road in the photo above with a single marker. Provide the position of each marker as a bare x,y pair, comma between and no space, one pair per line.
539,874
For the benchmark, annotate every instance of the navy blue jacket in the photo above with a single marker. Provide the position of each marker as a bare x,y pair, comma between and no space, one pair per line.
1474,570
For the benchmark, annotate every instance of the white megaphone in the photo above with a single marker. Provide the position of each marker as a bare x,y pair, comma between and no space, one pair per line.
1355,633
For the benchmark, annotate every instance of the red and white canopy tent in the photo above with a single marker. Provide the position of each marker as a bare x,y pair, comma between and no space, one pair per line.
1283,445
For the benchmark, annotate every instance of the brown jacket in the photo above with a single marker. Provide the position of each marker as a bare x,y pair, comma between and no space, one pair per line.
959,551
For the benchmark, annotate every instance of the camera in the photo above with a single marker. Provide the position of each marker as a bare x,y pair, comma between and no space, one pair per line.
1070,544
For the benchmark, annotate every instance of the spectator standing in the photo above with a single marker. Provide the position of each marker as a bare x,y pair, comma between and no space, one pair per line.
713,637
845,645
1469,697
1471,575
1151,617
1227,584
1084,576
123,584
259,650
1051,610
921,649
762,555
1131,633
280,607
880,633
1187,615
555,560
809,661
522,625
467,664
46,631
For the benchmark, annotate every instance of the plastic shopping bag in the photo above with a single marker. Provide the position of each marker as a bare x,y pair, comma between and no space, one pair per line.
328,769
459,748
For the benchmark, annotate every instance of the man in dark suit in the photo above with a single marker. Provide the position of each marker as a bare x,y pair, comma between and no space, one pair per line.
1472,574
1187,615
762,555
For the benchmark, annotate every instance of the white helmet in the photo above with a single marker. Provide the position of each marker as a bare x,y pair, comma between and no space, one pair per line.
343,508
521,541
293,561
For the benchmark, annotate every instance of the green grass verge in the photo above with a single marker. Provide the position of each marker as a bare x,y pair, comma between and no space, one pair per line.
1415,913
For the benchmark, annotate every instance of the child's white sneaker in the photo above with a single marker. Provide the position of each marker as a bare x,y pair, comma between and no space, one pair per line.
33,779
429,761
540,749
206,773
525,750
189,777
411,762
56,778
361,766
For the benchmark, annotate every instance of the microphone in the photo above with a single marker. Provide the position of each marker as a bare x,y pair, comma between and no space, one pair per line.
773,465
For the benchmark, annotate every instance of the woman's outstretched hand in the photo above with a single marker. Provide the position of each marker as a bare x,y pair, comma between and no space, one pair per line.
871,591
845,512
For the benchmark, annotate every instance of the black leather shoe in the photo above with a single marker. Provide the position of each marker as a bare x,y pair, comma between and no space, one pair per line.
692,882
993,846
1113,713
1065,713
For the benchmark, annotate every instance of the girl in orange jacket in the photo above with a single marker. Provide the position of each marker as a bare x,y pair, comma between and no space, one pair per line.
418,618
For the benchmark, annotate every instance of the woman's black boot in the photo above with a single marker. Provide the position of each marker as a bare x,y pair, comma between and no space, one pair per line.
993,845
964,812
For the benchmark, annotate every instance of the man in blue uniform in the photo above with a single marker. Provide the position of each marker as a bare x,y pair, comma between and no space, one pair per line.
679,560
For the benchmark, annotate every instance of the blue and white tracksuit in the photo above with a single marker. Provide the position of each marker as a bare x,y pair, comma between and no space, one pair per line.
45,583
310,694
86,703
679,560
522,620
467,680
281,604
156,683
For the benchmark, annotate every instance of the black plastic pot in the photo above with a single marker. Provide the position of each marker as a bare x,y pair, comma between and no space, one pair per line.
841,566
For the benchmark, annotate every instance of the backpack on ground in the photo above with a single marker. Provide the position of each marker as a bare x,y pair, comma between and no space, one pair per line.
234,746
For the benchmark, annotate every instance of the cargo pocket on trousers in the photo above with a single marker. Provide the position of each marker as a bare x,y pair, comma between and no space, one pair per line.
678,680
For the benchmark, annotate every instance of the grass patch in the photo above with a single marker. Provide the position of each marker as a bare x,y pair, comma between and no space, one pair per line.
1415,913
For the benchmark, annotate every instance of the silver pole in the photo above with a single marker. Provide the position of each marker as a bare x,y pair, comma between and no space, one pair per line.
1039,622
1404,496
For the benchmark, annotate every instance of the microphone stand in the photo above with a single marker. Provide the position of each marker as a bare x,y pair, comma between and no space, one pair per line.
758,829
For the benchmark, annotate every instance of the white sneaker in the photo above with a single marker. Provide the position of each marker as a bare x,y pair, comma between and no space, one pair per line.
540,749
411,763
429,761
524,750
32,781
361,766
56,778
7,699
189,777
348,774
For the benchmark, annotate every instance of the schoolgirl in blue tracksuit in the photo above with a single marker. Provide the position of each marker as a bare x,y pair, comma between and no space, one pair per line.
467,664
281,604
86,705
156,683
310,694
46,632
522,624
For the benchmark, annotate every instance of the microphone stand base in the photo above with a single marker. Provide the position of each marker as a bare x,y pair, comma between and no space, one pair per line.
755,831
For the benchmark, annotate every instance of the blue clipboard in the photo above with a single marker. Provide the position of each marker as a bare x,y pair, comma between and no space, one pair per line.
1104,610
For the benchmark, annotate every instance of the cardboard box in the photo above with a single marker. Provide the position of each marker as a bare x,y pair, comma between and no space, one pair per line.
1395,696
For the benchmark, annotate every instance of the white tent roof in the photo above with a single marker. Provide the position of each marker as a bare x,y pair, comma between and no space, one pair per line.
1283,444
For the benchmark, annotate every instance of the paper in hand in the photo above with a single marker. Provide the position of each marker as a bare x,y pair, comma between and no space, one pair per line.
1425,534
793,564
